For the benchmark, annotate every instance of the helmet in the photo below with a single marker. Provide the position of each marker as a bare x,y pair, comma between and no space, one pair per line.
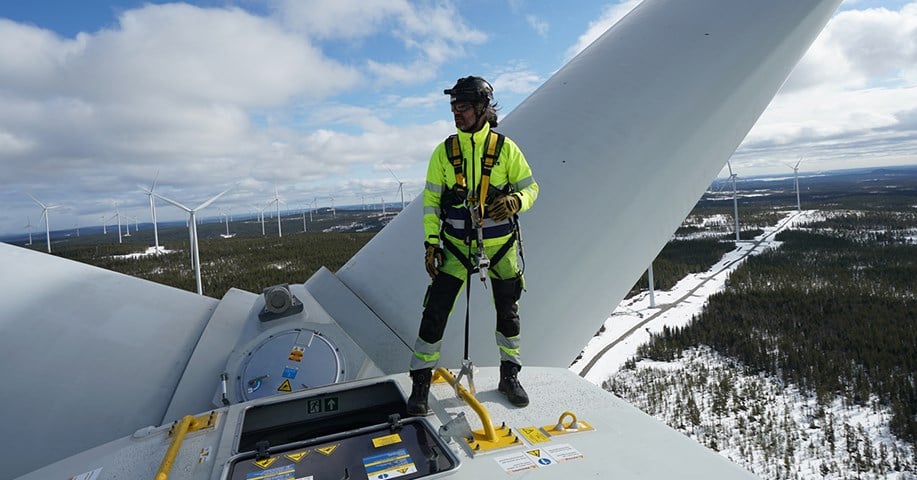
471,89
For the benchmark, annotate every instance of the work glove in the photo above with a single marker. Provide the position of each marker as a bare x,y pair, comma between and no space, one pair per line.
503,207
433,258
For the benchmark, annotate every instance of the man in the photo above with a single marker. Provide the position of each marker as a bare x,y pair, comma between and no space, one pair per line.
476,184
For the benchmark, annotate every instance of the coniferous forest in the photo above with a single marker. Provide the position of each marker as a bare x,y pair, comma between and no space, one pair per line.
832,315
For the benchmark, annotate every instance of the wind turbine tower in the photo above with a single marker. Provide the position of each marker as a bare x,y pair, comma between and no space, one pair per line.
796,182
261,217
118,216
735,197
44,214
278,202
400,187
153,210
29,226
192,233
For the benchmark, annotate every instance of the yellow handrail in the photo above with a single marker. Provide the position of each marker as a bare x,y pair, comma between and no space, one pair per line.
489,433
166,466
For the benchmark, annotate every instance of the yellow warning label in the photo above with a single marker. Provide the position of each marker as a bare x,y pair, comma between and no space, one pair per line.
296,353
386,440
403,470
328,450
267,462
534,453
534,434
296,457
285,386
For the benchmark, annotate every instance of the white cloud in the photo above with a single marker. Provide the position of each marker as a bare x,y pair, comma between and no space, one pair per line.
540,26
435,32
851,96
206,96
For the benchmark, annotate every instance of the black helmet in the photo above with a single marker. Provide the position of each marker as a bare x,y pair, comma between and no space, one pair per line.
471,89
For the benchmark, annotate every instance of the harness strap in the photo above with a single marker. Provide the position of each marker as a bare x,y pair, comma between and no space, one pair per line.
454,152
464,258
492,147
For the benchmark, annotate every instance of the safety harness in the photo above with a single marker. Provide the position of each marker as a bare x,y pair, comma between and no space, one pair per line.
493,144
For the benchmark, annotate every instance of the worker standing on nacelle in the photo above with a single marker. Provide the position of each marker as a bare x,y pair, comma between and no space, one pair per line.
477,182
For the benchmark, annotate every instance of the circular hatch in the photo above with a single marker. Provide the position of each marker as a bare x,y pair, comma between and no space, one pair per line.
287,362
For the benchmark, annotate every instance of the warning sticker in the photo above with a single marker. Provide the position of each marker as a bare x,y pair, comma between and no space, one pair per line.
394,464
93,475
386,440
285,386
296,456
296,353
563,452
327,451
516,462
541,457
534,435
283,472
267,462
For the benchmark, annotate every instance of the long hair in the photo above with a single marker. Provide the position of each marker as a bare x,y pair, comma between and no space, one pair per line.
490,113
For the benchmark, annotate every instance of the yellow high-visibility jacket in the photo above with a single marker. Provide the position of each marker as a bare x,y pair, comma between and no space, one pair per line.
510,171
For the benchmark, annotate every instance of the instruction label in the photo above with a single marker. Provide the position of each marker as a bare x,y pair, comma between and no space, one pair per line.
563,452
516,462
394,464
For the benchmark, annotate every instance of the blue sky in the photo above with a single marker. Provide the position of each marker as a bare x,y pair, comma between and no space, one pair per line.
320,98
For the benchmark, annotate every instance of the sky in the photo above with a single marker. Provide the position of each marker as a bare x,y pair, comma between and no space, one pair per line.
337,101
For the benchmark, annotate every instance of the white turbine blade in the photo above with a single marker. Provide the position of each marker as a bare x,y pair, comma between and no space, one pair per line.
42,205
729,164
212,199
797,163
173,202
153,187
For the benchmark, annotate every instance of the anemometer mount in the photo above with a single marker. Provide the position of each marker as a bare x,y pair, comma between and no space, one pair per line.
279,302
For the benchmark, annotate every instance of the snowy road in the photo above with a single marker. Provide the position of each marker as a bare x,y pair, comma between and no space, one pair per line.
632,322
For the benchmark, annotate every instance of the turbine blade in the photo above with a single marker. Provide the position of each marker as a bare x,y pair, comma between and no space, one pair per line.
729,164
173,202
42,205
212,199
154,181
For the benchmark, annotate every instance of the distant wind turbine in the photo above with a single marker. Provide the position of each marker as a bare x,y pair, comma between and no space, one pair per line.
400,187
44,214
735,197
153,209
118,216
192,233
796,182
304,217
29,226
261,217
278,201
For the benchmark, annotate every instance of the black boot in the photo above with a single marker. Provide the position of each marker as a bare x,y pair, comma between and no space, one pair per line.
510,386
417,402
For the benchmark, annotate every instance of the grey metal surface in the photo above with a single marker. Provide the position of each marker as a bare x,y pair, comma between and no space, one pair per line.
623,140
625,442
86,355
